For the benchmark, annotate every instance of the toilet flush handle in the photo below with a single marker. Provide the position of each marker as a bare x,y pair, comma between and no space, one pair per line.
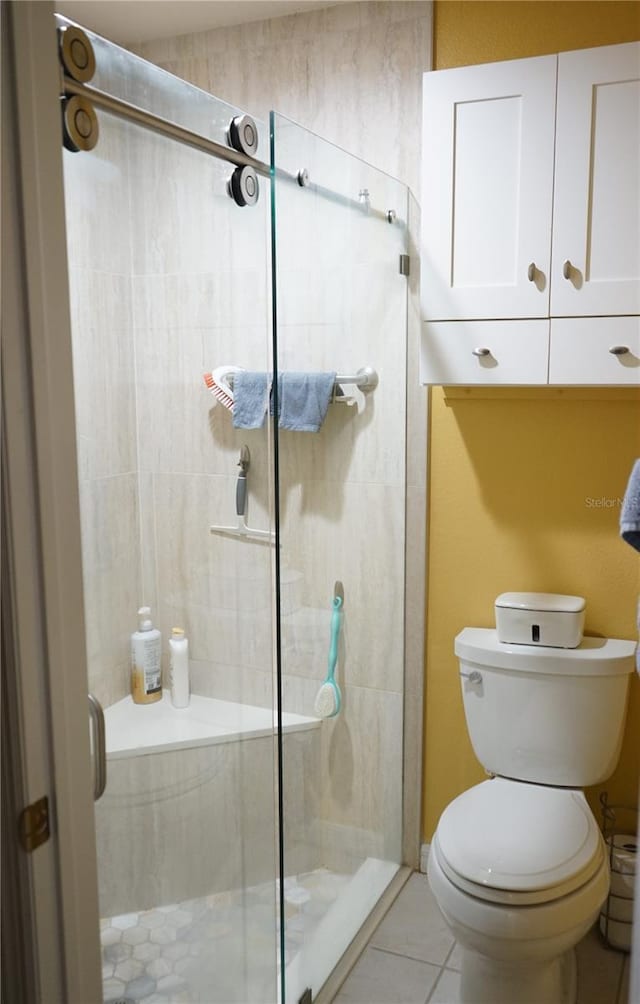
473,677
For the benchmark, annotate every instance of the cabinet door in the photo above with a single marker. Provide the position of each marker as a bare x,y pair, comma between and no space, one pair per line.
592,351
596,223
487,177
484,352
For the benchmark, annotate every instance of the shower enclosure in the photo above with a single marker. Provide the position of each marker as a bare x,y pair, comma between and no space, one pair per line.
241,842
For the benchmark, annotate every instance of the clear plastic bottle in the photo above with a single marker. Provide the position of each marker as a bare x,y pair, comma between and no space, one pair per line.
146,660
179,668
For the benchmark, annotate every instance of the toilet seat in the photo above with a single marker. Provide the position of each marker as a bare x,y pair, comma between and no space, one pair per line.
517,843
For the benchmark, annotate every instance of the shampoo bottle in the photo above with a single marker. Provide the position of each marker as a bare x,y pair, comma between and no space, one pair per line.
146,651
179,668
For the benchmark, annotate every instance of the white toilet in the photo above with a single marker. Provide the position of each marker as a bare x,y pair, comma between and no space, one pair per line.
517,864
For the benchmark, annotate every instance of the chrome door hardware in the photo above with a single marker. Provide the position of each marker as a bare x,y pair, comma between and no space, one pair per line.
33,825
619,350
80,124
404,265
76,54
242,135
566,269
531,272
99,747
473,677
481,352
303,177
243,186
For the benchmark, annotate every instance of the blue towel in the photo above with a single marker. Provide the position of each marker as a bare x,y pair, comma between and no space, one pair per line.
630,513
250,399
303,399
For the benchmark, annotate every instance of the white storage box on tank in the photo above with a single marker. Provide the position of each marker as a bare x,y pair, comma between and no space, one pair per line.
547,619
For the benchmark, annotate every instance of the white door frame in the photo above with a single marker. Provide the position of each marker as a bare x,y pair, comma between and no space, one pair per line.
47,657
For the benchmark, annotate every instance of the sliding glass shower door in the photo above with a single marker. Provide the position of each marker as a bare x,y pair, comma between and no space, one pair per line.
242,840
340,234
169,281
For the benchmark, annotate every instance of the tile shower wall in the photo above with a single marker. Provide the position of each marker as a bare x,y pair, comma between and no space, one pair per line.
97,192
168,279
352,73
191,308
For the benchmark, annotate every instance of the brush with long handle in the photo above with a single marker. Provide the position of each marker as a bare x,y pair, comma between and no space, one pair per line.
328,699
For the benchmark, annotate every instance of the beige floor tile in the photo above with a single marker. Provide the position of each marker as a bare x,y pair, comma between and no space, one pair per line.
454,961
599,970
414,926
447,989
623,993
385,978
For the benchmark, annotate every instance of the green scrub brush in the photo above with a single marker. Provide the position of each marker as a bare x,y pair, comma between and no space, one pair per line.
328,699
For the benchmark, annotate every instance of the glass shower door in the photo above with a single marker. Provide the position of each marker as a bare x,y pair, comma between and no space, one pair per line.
169,281
341,306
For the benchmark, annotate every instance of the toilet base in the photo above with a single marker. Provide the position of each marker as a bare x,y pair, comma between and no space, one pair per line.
489,981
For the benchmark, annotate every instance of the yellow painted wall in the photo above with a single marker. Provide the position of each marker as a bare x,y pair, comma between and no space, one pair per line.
517,478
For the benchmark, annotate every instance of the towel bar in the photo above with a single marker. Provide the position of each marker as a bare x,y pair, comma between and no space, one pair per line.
366,379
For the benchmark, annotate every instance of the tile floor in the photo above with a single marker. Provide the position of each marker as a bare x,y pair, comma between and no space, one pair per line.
166,955
412,959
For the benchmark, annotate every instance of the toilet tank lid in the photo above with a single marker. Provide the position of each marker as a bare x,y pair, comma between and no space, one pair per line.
552,602
514,836
592,657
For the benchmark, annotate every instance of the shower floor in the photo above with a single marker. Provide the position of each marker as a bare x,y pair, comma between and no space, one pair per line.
187,951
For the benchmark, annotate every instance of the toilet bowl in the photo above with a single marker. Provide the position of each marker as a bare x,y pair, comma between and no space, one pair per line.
517,864
520,883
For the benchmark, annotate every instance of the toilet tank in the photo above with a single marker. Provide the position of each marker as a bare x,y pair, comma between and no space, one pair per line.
548,715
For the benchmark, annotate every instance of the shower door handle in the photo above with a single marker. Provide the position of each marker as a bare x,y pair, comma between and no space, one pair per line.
99,747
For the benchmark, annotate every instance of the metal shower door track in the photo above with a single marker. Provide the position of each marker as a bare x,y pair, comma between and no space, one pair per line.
164,127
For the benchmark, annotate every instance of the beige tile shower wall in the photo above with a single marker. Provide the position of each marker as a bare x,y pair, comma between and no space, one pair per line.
98,243
352,73
200,300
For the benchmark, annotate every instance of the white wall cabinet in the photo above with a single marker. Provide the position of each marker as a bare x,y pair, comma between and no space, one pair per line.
596,214
531,210
487,189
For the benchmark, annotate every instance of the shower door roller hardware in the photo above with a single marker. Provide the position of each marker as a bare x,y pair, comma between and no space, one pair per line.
33,825
80,129
391,216
473,677
76,54
242,135
303,177
243,186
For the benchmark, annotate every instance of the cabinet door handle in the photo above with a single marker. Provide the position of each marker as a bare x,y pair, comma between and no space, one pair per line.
481,352
566,269
531,272
619,350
